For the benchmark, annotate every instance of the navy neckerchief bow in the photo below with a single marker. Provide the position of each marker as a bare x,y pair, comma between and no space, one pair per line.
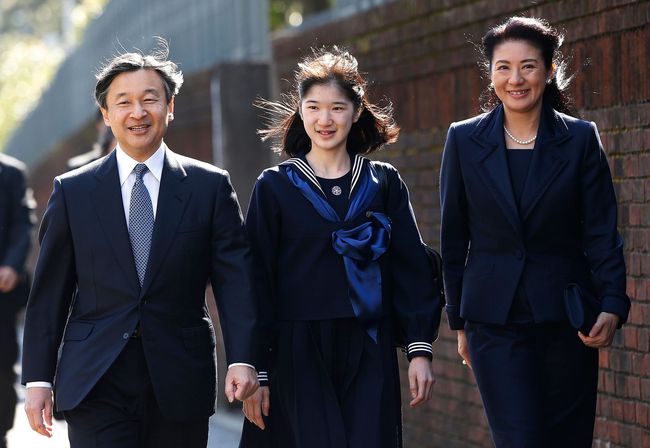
360,246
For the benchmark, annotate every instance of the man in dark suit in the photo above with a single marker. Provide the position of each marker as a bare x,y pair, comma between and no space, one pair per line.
16,206
128,243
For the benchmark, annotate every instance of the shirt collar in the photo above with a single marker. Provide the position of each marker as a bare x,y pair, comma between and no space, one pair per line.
125,163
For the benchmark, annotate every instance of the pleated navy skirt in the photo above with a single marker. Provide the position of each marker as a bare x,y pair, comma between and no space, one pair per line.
331,386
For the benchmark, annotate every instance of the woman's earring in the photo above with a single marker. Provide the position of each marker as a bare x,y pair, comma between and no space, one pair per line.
170,116
549,80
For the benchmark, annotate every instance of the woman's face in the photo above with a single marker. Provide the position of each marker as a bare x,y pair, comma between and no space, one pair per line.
327,115
519,76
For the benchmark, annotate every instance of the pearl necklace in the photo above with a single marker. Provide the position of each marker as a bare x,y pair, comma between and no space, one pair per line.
516,140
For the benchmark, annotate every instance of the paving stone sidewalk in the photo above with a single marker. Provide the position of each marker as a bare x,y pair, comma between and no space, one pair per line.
225,429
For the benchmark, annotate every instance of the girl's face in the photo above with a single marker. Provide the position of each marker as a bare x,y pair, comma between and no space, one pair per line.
519,75
327,115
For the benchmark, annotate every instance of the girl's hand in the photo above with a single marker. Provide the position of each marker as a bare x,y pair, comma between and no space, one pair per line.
257,404
420,380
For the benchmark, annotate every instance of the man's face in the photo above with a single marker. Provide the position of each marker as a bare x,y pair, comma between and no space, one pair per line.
138,112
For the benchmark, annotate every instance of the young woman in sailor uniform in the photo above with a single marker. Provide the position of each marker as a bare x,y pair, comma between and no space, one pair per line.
341,271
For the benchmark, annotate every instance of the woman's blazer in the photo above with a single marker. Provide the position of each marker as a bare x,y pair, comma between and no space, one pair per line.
562,231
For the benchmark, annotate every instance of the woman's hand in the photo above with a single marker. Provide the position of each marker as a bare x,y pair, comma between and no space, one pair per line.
420,380
602,333
463,350
257,404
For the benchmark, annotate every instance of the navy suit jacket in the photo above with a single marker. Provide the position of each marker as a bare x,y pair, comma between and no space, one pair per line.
86,276
562,231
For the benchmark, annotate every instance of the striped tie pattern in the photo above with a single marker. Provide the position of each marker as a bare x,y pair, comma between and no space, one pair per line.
140,221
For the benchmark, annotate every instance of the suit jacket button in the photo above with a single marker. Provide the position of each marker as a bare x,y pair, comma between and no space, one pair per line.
519,254
125,336
368,214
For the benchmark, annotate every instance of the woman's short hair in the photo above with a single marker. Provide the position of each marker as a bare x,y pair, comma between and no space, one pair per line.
541,35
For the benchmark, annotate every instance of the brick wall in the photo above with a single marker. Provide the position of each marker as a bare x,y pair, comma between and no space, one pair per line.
418,54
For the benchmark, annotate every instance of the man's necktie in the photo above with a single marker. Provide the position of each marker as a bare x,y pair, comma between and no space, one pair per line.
140,221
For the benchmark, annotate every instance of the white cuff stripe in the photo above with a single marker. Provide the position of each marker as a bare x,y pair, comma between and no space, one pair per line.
420,346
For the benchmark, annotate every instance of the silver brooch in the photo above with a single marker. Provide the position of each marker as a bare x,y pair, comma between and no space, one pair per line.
336,190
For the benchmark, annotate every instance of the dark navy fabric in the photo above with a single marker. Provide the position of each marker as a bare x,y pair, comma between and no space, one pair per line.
518,163
331,385
511,242
341,202
538,384
121,411
300,275
86,291
562,231
360,246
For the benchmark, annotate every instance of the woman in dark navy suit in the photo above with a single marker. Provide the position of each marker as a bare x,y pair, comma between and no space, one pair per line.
341,270
528,207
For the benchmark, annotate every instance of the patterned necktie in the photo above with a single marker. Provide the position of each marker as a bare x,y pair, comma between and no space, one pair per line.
140,221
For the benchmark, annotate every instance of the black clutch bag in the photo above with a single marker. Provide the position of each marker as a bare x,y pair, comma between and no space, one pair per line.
582,308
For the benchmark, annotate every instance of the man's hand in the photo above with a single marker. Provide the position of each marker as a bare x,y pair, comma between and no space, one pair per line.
463,350
602,333
38,406
8,278
257,404
241,383
420,380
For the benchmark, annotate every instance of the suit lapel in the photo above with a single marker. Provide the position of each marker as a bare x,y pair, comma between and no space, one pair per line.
547,162
172,201
107,201
493,166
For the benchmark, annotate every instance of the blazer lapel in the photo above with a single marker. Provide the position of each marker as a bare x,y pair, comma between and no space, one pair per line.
546,162
107,201
493,166
172,201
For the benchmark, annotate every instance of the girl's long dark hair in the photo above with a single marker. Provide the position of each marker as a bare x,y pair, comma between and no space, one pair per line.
374,128
540,34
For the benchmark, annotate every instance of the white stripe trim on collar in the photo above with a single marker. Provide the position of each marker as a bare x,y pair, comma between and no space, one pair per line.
356,172
309,173
306,170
